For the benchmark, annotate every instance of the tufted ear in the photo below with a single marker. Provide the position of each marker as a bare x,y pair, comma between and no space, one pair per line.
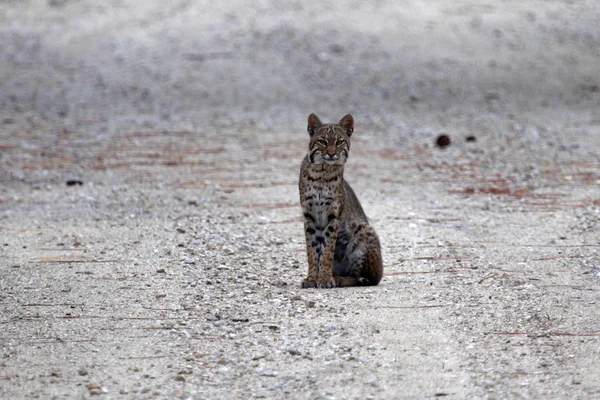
314,123
348,124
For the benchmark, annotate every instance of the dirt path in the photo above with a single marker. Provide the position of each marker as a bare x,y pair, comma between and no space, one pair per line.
173,270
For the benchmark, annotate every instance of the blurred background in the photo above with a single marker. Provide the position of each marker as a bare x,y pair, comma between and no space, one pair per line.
194,63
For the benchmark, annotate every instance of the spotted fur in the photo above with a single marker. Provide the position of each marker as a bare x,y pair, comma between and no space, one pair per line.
342,248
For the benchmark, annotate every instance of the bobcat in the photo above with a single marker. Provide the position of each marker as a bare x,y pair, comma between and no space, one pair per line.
342,248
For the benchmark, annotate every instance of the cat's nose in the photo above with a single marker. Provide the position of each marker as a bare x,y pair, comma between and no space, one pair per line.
331,152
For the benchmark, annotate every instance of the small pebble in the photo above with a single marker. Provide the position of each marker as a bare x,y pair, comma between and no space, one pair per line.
443,141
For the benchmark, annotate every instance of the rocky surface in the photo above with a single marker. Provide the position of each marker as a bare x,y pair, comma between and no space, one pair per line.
151,244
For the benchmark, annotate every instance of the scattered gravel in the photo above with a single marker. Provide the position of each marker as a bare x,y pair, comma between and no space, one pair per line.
152,241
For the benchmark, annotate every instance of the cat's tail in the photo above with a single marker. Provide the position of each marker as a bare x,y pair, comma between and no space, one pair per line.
347,281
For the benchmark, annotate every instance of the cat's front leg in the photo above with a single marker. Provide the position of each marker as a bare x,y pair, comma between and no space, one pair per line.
327,238
320,249
311,279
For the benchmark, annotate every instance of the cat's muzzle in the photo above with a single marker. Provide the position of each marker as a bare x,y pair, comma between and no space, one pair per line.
328,158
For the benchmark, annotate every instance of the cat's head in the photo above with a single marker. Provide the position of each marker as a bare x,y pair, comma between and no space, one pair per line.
329,143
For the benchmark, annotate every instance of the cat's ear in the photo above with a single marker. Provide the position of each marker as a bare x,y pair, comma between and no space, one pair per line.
314,123
348,124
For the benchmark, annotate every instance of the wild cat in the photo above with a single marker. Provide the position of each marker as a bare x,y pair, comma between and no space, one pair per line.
342,248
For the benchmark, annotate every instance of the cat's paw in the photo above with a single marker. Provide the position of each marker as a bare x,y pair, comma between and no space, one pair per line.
327,283
306,283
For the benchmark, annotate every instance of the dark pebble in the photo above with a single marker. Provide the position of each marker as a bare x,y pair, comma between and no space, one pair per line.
471,139
443,141
74,182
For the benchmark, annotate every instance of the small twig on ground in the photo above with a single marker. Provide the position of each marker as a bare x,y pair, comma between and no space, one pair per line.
142,357
546,334
407,307
448,271
43,260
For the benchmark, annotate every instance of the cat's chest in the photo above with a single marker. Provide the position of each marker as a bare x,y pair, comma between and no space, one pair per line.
321,200
321,191
319,196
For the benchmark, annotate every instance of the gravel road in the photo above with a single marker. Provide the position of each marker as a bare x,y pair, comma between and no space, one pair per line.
151,241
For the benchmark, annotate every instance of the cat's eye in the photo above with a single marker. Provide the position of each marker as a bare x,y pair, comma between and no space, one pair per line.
322,142
339,142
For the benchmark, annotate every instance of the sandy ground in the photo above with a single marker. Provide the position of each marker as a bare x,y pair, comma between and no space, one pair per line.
173,270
